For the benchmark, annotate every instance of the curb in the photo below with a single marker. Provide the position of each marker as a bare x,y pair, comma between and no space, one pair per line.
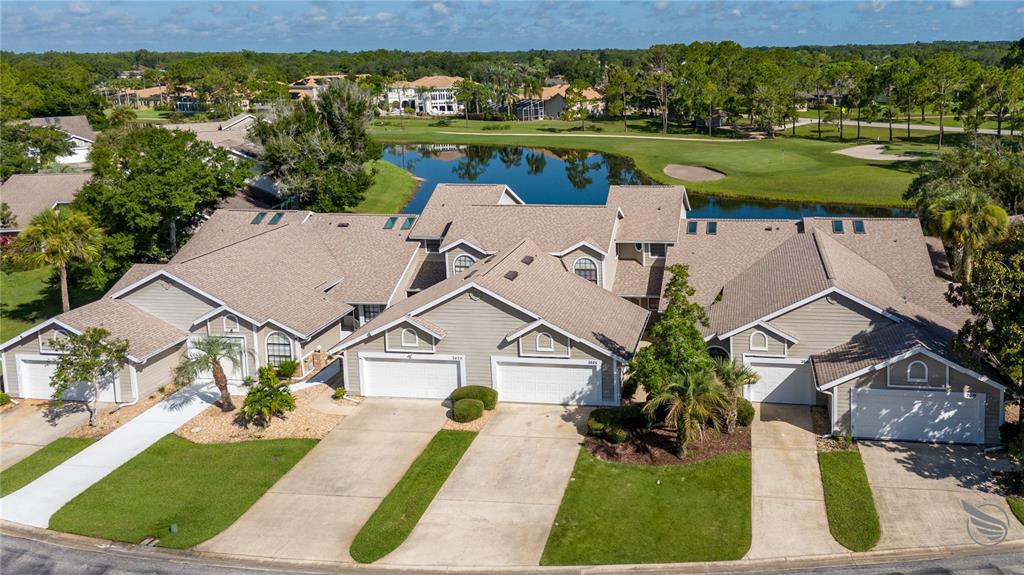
201,558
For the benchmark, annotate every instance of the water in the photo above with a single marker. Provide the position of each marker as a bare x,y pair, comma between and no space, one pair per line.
557,176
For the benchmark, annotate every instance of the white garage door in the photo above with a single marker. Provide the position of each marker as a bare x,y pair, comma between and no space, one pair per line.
564,383
426,378
34,375
782,383
908,415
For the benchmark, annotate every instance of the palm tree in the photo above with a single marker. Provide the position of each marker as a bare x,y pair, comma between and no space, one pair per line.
695,401
57,238
207,354
733,375
967,219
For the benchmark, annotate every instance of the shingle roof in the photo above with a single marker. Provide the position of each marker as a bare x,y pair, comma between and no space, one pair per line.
549,92
73,125
633,279
651,212
554,228
29,194
446,202
544,289
145,333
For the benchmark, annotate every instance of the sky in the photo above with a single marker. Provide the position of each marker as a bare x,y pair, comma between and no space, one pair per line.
297,26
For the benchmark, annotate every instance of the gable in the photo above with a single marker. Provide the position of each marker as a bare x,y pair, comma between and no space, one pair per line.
826,322
170,301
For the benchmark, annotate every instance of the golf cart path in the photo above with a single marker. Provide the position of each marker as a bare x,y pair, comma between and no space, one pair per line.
620,136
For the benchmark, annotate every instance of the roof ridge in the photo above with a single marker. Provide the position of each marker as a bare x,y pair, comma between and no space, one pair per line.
830,273
232,244
505,256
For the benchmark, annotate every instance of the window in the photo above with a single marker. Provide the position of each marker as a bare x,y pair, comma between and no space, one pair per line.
259,218
230,324
691,228
653,303
432,246
276,218
279,348
586,269
461,264
409,338
917,373
657,250
49,343
371,311
858,226
758,341
408,223
639,247
837,226
390,223
545,342
712,228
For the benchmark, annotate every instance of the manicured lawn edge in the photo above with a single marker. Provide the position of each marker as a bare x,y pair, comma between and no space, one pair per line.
180,492
34,466
392,189
616,514
852,517
1017,506
399,512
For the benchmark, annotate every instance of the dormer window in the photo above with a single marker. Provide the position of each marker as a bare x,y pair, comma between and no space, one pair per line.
409,338
758,341
917,373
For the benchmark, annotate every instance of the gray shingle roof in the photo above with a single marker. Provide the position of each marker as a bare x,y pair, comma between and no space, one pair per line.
633,279
651,212
554,228
73,125
29,194
145,333
447,201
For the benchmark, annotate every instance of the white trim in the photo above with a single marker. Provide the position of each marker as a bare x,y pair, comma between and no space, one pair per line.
39,339
415,337
578,245
748,359
914,351
133,376
243,118
408,266
725,351
551,342
28,332
224,322
597,280
455,262
911,365
402,349
411,321
457,243
778,332
163,273
144,359
266,346
750,344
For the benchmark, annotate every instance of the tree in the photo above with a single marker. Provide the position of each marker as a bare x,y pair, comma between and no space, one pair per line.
885,82
658,81
996,301
576,103
208,354
25,149
967,220
150,187
618,91
92,358
862,89
944,74
734,375
1005,89
840,79
907,84
319,151
971,100
695,401
122,116
267,399
994,165
8,221
58,238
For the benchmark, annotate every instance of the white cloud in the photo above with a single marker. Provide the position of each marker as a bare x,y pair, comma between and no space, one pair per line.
735,13
1020,10
661,4
960,3
440,8
80,8
384,16
216,9
872,6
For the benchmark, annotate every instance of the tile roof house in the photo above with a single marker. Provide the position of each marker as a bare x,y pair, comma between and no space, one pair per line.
29,194
429,95
547,303
550,103
79,132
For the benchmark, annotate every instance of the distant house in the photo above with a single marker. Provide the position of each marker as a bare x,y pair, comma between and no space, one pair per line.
717,120
29,194
310,86
430,95
79,131
551,103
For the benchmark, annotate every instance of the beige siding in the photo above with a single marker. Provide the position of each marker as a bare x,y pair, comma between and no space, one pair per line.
528,344
741,344
629,252
825,323
124,382
171,302
158,371
424,341
936,372
450,255
29,346
47,338
325,340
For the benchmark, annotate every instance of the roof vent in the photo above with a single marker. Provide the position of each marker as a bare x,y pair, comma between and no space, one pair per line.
527,260
511,275
342,224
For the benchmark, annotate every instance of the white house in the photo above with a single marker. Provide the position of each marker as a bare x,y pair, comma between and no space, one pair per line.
430,95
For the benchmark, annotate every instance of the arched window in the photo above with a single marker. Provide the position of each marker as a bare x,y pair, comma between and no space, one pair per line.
586,269
279,348
462,263
758,341
409,338
230,324
917,372
545,342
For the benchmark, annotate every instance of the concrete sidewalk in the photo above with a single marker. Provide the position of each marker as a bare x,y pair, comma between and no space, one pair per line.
35,503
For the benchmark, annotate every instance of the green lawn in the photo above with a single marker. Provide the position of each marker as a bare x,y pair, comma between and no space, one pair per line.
852,518
1017,506
392,189
202,489
26,299
614,514
399,512
783,168
32,467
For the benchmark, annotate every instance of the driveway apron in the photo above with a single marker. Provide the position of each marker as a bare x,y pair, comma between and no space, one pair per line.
315,511
498,505
788,515
32,425
920,489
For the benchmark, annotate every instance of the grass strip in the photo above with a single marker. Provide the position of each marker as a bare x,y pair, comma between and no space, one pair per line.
36,465
852,518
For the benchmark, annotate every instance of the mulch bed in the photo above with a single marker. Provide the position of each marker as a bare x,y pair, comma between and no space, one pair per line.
821,425
657,446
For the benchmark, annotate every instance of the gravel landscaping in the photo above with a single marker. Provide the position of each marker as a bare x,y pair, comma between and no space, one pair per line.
476,425
115,417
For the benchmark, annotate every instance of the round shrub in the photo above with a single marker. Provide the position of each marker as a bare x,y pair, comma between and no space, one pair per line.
625,416
616,434
467,409
486,395
744,412
339,393
287,368
4,398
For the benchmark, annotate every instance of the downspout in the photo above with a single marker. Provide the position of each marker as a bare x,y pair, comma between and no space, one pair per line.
135,389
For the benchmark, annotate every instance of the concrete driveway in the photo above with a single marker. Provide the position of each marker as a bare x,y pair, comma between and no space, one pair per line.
919,489
500,502
32,424
788,515
317,508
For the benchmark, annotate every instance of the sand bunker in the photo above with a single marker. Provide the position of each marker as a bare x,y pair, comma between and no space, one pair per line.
693,173
872,152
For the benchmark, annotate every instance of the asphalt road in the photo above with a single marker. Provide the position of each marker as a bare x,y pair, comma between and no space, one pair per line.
30,557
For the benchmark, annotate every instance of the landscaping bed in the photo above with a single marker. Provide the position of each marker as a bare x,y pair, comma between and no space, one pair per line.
821,425
179,492
657,446
34,466
613,513
115,417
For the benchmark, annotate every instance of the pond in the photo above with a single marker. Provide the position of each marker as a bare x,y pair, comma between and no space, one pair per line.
557,176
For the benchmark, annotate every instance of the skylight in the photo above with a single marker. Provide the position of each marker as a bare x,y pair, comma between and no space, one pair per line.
408,223
712,228
390,223
691,228
858,226
276,218
259,218
837,226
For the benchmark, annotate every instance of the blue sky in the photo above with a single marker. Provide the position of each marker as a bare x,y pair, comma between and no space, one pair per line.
295,26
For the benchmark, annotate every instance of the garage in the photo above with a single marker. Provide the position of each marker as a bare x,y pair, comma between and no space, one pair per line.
387,375
782,381
911,415
565,382
35,372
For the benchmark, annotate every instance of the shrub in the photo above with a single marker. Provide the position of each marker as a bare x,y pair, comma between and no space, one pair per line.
627,417
744,412
467,409
287,368
4,398
486,395
615,434
339,393
267,399
496,127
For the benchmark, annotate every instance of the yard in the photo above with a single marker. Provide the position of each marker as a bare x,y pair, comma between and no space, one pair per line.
613,513
852,518
1017,506
34,466
29,299
391,190
180,492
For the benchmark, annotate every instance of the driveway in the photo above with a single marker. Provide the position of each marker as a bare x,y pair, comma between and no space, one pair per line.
31,425
919,489
316,509
788,515
500,502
